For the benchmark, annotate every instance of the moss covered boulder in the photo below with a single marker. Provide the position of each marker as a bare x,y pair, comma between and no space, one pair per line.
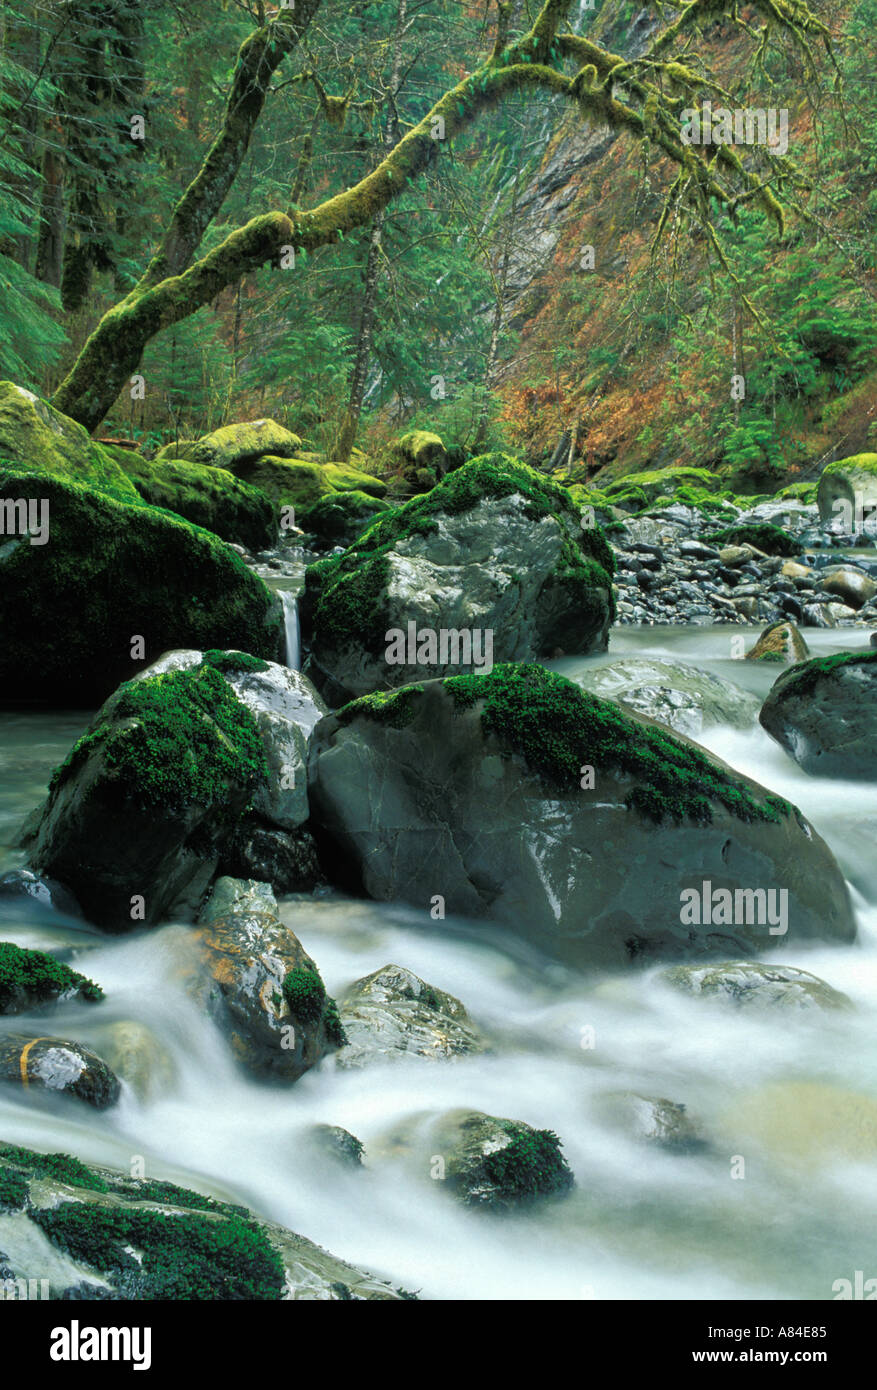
340,518
111,573
824,713
418,460
762,536
645,487
209,497
491,565
518,797
96,1233
235,445
138,815
36,437
781,643
493,1164
847,485
260,985
303,483
32,979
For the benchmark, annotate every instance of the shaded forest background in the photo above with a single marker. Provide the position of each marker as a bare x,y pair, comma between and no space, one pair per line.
468,310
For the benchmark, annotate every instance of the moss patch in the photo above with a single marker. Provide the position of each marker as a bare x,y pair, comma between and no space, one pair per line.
803,678
38,438
772,540
60,1166
235,663
189,737
210,497
112,571
179,1257
531,1165
306,996
28,977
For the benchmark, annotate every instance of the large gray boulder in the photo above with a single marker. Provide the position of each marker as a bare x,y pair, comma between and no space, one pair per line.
492,565
519,797
824,713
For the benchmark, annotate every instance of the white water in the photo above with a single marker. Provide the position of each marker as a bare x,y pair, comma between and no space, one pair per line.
291,629
641,1223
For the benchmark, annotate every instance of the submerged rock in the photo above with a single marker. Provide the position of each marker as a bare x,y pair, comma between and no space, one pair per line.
116,580
492,565
676,693
392,1013
59,1066
486,1162
824,713
260,985
805,1122
749,984
519,797
23,889
336,1144
96,1233
138,1056
780,642
654,1120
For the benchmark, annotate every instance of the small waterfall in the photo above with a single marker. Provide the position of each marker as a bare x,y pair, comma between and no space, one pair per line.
291,628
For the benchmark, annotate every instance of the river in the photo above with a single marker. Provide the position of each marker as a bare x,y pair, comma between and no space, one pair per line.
642,1222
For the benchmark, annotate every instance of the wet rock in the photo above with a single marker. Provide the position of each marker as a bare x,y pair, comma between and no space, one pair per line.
260,985
751,985
32,979
520,798
138,1057
490,1163
654,1120
22,888
336,1144
285,859
850,584
392,1013
58,1066
824,713
780,642
97,1233
678,694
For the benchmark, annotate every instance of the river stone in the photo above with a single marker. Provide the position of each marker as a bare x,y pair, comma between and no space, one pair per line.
59,1066
392,1013
850,584
23,889
496,552
749,984
220,1251
653,1120
824,713
245,956
233,445
486,1162
139,1057
471,790
138,815
780,642
806,1122
793,570
852,482
674,692
336,1144
286,708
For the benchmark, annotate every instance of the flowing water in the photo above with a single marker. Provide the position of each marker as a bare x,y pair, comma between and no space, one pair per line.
642,1222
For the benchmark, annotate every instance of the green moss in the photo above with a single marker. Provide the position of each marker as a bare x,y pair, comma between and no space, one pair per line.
210,497
531,1165
801,679
306,996
345,595
234,663
189,737
113,571
60,1166
857,463
178,1257
558,728
652,482
169,1194
772,540
39,978
36,437
13,1191
340,516
394,707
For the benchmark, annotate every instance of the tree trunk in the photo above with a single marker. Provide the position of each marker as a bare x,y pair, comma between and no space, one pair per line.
359,377
50,246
